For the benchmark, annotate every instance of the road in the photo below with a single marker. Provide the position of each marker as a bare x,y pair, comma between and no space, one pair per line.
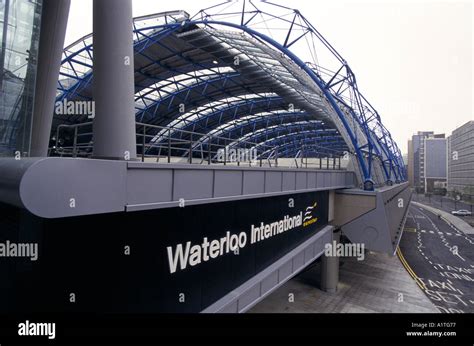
446,204
441,259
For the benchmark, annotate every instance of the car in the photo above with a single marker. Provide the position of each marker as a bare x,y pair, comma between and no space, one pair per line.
461,212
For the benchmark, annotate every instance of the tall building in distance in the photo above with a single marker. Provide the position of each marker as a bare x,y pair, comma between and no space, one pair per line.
427,171
461,161
435,164
418,147
410,164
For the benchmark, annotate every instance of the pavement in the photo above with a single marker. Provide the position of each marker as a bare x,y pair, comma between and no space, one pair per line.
440,258
378,284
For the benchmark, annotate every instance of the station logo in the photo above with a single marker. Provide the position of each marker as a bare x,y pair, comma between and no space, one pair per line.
309,218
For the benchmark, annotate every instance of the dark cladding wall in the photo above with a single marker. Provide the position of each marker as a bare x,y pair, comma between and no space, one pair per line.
85,255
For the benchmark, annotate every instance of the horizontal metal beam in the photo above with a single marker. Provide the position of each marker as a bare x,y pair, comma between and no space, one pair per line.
72,187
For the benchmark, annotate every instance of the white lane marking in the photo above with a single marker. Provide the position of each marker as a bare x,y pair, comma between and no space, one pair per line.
441,234
443,239
457,254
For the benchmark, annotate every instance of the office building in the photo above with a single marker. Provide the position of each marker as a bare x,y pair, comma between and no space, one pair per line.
435,164
461,161
427,165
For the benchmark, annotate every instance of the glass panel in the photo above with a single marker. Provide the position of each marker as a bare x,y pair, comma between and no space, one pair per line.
19,39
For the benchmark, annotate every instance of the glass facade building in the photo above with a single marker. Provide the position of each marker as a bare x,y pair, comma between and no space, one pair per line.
19,41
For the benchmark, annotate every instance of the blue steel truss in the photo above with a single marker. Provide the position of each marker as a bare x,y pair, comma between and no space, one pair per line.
312,104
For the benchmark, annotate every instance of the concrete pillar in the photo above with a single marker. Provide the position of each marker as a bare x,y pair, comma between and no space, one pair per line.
54,18
330,268
114,122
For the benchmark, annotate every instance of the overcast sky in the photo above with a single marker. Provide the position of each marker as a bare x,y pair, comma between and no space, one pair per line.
412,58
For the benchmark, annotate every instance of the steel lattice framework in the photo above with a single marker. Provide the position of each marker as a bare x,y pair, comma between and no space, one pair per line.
248,71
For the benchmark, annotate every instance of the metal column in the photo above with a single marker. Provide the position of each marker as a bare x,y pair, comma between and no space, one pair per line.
330,268
114,122
54,18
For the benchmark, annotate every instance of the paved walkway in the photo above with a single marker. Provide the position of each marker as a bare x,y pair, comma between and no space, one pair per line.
457,222
377,284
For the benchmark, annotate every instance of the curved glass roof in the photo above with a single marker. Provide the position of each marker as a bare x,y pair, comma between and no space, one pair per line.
259,73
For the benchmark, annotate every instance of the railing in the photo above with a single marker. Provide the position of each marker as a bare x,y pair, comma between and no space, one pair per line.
171,145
